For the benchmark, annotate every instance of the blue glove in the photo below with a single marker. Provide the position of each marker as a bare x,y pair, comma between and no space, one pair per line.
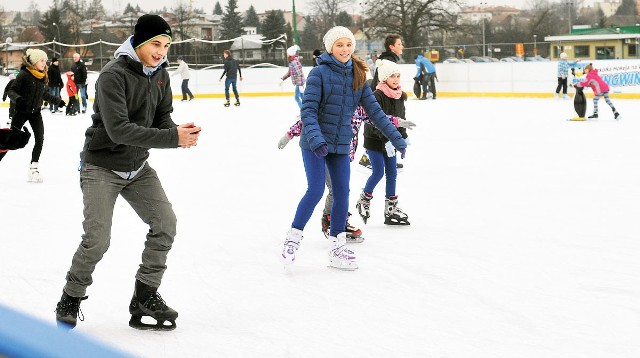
402,152
321,151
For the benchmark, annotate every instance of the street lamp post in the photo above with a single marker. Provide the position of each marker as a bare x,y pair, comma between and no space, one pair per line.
364,30
535,46
569,8
482,5
296,40
60,39
6,49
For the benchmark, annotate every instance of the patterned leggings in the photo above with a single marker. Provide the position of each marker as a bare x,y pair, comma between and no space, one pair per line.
596,99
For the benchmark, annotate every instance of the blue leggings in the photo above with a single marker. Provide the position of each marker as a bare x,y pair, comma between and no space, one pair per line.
297,95
380,164
340,172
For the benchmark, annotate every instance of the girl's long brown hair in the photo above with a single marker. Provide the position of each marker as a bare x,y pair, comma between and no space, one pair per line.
359,72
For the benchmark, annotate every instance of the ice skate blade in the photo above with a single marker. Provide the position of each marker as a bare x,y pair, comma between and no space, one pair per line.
396,223
136,322
343,267
350,239
354,239
65,325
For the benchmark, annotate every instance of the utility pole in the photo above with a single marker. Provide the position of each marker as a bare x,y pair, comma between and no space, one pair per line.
294,22
482,6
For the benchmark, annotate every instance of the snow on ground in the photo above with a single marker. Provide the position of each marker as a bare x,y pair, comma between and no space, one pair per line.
523,242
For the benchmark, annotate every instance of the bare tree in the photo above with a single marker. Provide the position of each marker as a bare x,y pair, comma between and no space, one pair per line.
327,11
413,20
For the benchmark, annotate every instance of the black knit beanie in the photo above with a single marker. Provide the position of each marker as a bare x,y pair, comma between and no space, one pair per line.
148,27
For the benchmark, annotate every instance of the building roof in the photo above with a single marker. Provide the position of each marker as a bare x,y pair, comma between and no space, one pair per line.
247,42
600,33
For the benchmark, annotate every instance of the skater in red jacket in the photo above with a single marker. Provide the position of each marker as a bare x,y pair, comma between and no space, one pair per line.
72,90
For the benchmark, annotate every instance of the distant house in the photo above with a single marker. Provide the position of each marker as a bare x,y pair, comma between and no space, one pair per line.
248,47
620,42
301,23
12,53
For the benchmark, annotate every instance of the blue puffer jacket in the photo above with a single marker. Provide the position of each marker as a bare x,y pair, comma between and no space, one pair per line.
329,103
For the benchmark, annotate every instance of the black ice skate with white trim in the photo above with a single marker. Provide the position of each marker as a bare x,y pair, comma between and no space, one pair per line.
147,302
393,215
363,206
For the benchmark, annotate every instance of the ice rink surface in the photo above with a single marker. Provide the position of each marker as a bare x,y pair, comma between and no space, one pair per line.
524,238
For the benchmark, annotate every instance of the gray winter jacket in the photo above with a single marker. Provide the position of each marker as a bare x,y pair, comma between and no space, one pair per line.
132,114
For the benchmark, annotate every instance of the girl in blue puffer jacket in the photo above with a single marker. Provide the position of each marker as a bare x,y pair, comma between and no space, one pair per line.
335,88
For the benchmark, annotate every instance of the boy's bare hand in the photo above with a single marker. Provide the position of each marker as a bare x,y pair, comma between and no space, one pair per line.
188,134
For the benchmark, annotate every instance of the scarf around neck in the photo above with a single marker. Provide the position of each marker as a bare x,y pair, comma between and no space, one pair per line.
37,74
388,91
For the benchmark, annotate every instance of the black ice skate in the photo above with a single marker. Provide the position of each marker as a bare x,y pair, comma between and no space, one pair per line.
146,301
593,116
393,215
237,103
364,161
68,311
227,103
363,206
354,235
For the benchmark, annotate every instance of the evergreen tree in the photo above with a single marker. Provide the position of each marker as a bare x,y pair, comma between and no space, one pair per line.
129,9
217,9
231,26
96,9
273,27
310,37
251,18
627,8
344,19
51,31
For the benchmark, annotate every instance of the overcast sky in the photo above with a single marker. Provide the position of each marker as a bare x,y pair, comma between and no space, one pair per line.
243,5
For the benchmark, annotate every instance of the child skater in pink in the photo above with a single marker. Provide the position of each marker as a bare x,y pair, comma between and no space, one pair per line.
600,88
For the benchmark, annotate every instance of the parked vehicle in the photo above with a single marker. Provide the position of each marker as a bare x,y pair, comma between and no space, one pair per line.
451,60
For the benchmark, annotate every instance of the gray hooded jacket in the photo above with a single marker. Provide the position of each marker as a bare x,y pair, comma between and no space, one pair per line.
132,113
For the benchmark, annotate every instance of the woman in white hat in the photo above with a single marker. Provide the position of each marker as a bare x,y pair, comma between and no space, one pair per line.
335,88
295,72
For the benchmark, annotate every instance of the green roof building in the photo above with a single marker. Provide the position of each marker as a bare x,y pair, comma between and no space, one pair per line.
616,42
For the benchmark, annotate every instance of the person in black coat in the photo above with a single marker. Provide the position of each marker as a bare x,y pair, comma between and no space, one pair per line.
27,92
393,49
381,152
316,55
232,70
55,82
80,75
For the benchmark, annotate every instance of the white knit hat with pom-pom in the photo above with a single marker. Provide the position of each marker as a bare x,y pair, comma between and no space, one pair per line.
386,68
291,51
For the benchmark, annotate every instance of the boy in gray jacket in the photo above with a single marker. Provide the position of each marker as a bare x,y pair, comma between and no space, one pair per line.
132,113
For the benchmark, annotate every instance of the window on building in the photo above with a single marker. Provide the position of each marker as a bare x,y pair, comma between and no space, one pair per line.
605,53
632,50
249,54
581,51
206,34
